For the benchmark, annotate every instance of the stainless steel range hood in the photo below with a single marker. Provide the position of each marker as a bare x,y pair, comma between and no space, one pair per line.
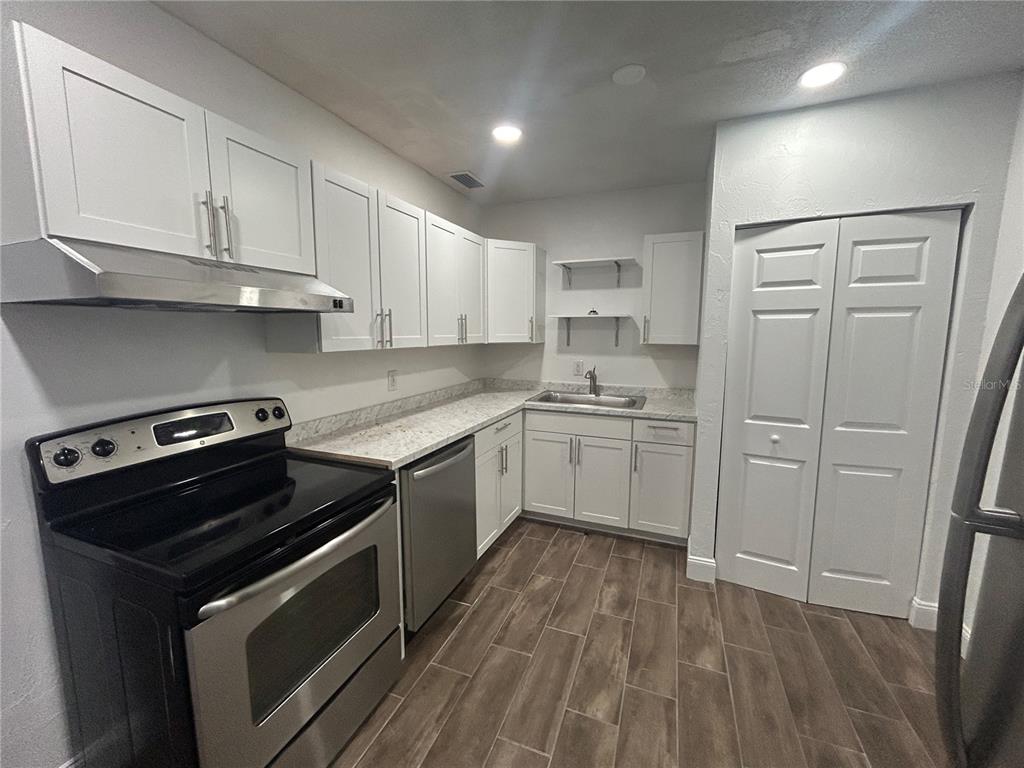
66,271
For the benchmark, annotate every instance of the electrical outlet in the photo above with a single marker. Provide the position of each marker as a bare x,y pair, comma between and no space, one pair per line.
392,381
577,368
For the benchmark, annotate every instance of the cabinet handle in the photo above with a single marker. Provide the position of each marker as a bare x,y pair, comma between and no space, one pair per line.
391,330
226,207
571,441
636,456
647,329
378,322
504,459
464,331
458,325
531,329
579,450
211,222
504,426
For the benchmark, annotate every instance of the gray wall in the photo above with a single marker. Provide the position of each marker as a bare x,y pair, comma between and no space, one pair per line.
67,366
944,145
599,225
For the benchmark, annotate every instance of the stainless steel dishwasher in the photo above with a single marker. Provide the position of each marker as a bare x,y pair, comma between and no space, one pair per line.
438,496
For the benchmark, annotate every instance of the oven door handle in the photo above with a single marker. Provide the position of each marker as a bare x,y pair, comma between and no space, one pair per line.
258,587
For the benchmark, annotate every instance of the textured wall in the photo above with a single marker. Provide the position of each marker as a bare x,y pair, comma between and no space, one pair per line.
593,226
64,366
944,145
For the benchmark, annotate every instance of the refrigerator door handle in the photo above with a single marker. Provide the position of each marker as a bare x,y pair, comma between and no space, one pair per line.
949,637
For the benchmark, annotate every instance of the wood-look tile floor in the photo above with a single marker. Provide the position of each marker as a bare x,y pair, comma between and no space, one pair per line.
565,649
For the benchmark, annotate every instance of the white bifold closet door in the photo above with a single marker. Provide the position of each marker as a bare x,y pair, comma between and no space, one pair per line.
775,387
894,284
837,343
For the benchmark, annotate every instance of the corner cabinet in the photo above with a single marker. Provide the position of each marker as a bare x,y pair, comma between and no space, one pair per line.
499,478
671,288
118,160
121,161
455,284
515,292
403,271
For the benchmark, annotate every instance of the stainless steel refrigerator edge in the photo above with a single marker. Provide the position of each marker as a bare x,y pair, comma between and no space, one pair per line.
980,693
438,497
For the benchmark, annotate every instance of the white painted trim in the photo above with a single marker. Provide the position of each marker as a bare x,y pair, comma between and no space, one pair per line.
700,568
923,615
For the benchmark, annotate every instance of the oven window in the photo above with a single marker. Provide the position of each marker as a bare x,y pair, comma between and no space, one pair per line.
291,643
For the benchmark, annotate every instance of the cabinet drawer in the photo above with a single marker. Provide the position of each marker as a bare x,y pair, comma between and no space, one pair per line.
672,432
572,424
495,434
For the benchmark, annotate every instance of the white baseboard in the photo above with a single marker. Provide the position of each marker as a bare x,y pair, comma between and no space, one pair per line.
923,615
700,568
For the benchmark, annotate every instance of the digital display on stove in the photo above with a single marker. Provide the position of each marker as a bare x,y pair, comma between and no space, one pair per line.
193,428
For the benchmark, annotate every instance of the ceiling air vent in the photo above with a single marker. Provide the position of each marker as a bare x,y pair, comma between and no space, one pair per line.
467,179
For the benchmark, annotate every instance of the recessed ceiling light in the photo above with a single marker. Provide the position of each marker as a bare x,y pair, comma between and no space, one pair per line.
631,74
823,74
507,134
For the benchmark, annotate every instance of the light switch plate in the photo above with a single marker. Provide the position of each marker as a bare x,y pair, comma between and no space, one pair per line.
577,368
392,380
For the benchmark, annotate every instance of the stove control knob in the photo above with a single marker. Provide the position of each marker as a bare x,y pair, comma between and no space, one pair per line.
66,457
278,412
261,414
103,448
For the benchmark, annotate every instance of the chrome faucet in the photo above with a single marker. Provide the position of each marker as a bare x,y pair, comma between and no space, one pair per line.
592,375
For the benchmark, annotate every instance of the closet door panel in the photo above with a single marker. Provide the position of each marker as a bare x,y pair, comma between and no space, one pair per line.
894,281
775,382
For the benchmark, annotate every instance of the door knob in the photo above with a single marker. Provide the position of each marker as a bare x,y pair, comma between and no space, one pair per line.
775,439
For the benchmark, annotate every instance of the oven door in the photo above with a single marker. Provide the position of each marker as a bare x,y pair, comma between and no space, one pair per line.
266,658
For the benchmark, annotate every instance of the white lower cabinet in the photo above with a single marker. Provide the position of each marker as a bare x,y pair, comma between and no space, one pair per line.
596,474
602,481
549,473
659,498
488,499
499,479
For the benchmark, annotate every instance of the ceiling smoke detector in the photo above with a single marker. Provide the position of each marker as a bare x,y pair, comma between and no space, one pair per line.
631,74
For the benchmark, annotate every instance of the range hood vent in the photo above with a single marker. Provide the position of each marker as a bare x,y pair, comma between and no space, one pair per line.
66,271
467,179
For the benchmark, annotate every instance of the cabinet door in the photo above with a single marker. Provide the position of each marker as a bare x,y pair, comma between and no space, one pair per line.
510,291
264,192
470,260
672,270
549,473
403,271
512,480
488,499
602,480
347,258
659,499
443,313
118,159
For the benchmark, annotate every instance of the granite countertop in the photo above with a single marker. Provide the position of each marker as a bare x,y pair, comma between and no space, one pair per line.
400,440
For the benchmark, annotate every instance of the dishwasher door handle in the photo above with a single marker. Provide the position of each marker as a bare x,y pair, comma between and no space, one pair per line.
433,470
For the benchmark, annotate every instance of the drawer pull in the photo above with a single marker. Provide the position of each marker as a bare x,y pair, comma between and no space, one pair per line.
506,425
662,426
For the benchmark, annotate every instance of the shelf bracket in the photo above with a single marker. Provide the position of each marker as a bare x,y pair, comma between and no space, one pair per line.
618,284
568,273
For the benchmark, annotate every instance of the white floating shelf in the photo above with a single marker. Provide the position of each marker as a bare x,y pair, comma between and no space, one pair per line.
584,316
568,265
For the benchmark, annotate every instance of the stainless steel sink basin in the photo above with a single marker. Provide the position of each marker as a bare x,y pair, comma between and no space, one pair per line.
601,401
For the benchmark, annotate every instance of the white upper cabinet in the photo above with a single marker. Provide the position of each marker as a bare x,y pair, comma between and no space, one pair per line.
118,160
515,292
455,289
403,271
263,191
348,258
672,277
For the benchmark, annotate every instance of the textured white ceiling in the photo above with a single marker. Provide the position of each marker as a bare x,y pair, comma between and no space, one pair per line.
430,80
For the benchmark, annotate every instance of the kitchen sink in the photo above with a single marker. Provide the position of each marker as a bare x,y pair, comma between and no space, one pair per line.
601,401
